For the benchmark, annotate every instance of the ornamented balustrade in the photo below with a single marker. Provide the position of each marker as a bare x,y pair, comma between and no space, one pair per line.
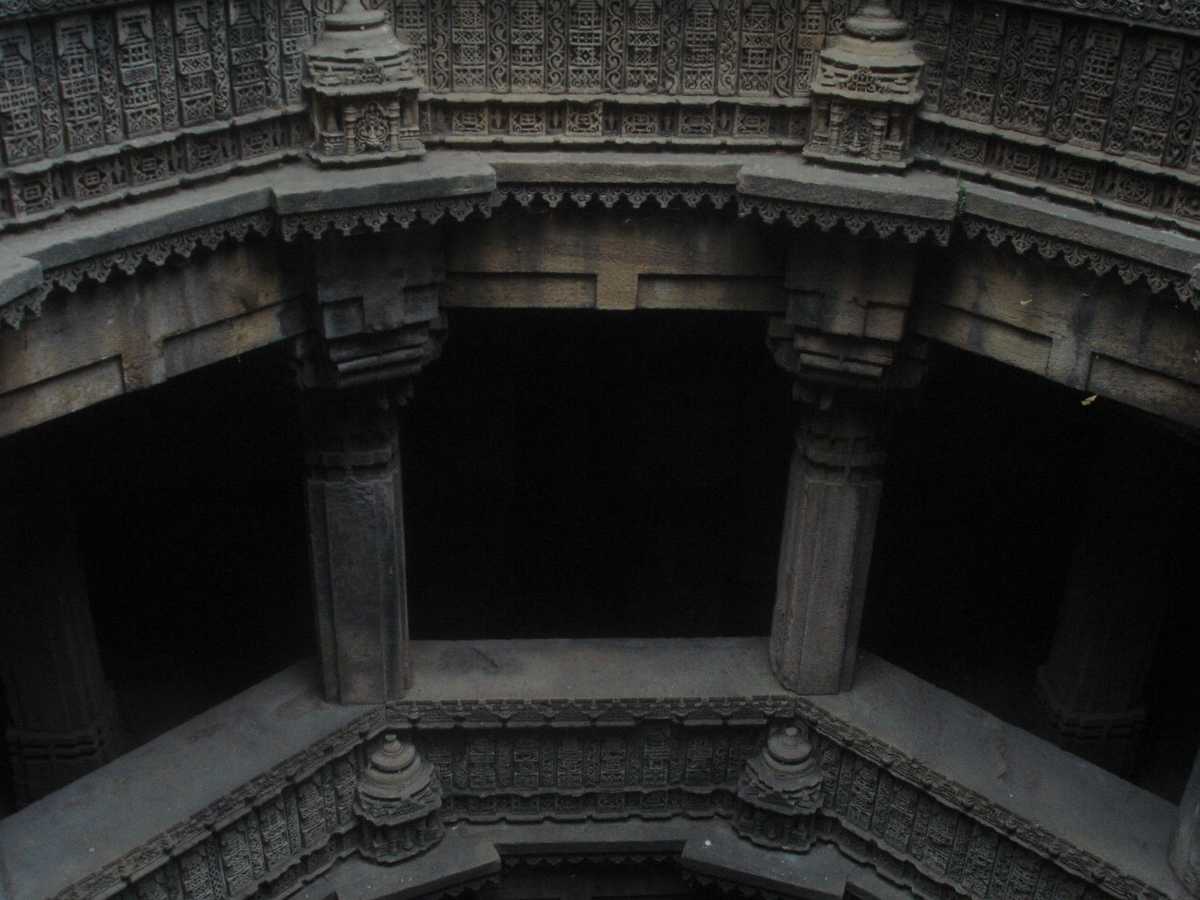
1091,103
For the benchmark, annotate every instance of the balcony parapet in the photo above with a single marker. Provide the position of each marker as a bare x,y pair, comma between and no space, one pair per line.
916,784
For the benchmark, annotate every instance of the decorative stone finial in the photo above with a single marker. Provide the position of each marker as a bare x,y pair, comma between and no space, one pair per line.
865,93
398,800
779,791
363,88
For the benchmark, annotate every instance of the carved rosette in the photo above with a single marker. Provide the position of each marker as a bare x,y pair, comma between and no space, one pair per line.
362,87
866,92
398,803
779,792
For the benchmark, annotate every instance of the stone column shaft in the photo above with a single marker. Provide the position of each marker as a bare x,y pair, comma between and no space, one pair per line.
354,497
62,714
1092,684
834,487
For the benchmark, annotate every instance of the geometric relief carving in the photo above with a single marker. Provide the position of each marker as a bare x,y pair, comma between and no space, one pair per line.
1097,79
248,55
412,27
79,82
469,37
1039,63
700,47
757,44
295,32
136,62
194,58
20,121
585,39
528,45
644,39
980,79
1155,98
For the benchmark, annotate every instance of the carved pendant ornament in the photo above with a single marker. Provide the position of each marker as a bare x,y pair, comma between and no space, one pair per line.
779,791
398,800
866,93
363,91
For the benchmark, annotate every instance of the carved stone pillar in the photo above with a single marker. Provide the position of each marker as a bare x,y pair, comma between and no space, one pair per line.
843,340
62,715
354,497
834,486
1093,681
1185,842
376,299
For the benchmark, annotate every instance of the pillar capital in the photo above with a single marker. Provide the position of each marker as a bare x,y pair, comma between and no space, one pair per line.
842,431
376,314
845,328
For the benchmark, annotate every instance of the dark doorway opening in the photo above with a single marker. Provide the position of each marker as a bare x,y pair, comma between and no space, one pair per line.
595,474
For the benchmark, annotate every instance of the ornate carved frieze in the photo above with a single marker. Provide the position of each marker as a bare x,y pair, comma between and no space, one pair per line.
376,218
100,103
570,760
127,261
609,119
826,218
1185,285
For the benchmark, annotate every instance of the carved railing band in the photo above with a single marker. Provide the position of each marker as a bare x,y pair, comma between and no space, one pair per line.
563,760
1090,102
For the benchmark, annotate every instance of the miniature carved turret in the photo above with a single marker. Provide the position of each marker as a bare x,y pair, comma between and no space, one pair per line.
363,91
865,93
779,792
398,801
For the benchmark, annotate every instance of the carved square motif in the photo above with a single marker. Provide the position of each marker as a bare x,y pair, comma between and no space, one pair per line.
584,120
527,121
469,120
639,122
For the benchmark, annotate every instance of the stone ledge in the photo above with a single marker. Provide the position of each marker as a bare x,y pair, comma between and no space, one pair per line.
771,185
889,715
918,194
